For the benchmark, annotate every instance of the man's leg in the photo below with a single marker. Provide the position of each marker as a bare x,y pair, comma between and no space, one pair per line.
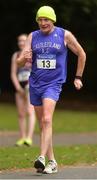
45,114
40,161
46,133
50,153
39,113
46,138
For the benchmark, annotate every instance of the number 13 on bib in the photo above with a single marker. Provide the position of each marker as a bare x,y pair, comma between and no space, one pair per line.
46,63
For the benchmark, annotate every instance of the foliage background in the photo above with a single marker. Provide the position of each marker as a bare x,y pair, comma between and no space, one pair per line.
78,16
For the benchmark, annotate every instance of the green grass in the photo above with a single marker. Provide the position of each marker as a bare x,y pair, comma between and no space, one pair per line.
64,121
75,121
8,117
14,157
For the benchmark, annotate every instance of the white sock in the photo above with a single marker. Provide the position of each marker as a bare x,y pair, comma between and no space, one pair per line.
42,157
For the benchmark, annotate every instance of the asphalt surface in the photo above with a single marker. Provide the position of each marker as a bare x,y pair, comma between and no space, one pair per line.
65,173
9,138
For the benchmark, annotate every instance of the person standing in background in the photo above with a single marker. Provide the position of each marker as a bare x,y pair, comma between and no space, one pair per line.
20,79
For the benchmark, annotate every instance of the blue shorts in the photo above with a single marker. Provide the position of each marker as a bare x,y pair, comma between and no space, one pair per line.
38,94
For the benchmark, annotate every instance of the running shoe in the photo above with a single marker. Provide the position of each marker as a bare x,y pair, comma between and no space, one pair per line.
20,142
28,142
40,164
51,167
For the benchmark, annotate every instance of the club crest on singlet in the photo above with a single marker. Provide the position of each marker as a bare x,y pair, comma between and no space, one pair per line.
47,44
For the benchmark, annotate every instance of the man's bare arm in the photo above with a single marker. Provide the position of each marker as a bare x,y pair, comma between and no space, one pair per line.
26,54
76,48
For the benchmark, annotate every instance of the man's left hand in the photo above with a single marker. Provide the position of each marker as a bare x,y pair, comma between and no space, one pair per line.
78,84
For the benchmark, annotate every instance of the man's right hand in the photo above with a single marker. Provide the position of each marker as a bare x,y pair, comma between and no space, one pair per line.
28,55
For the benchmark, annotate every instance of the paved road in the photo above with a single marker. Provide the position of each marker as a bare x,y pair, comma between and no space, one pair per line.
65,173
9,138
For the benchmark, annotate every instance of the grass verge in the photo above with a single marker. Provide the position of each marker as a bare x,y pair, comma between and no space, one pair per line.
64,121
23,157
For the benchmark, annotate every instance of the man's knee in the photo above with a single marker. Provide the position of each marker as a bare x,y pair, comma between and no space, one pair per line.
47,120
29,112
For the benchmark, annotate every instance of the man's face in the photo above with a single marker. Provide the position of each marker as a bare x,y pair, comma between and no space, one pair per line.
21,41
45,25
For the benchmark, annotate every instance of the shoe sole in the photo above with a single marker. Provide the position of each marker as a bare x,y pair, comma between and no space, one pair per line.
39,166
27,144
54,171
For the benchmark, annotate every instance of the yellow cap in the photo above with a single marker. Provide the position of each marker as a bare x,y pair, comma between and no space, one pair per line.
47,12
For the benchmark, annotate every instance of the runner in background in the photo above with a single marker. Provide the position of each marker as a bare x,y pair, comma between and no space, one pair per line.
20,77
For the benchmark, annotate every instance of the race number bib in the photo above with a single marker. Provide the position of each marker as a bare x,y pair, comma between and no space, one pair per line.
46,62
23,76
